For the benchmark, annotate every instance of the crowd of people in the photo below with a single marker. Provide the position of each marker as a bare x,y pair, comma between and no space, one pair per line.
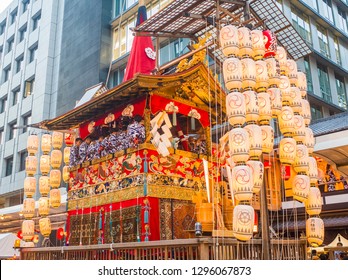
125,132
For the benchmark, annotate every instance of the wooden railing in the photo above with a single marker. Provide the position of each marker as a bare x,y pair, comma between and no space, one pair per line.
179,249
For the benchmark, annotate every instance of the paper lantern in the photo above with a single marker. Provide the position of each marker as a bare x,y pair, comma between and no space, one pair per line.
44,186
69,139
302,83
265,111
56,159
255,140
235,107
229,40
243,222
28,208
315,231
300,187
295,100
66,174
44,206
281,56
57,140
55,198
257,170
314,202
232,70
28,230
267,138
306,112
261,75
301,163
55,178
245,42
286,120
300,129
284,86
313,170
287,150
239,144
276,101
45,164
273,72
251,105
46,143
309,140
67,155
32,144
291,71
30,165
258,45
270,41
45,227
242,183
248,73
29,186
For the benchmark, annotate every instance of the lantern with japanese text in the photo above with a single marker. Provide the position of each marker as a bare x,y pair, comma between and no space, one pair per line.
30,165
28,230
257,170
301,162
56,159
28,208
300,187
232,70
315,231
45,164
255,140
32,144
242,182
276,101
45,226
229,40
66,155
29,186
55,198
245,42
46,143
314,202
261,75
313,170
243,222
44,206
248,73
57,140
239,144
281,56
44,186
267,138
251,105
287,150
258,45
235,107
264,107
55,178
286,121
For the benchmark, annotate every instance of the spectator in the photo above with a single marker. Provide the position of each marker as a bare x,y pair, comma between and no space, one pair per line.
83,149
74,153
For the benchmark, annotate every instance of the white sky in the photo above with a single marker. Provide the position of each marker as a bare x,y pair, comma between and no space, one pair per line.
4,4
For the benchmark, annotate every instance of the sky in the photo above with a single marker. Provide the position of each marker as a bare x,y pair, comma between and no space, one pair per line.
4,4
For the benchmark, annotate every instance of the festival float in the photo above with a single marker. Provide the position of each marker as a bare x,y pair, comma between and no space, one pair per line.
216,155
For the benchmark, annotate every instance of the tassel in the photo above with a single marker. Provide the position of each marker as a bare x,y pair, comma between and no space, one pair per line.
193,123
174,118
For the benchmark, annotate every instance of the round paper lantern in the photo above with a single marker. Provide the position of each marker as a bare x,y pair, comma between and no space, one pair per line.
232,70
229,40
245,42
300,129
32,144
301,163
55,198
313,170
315,231
46,143
242,183
252,107
261,75
44,185
29,186
265,110
284,86
257,170
57,140
276,101
243,222
248,73
45,164
239,145
66,174
28,230
314,202
291,71
44,206
28,208
281,56
300,187
56,159
267,138
69,139
295,100
30,165
306,112
66,156
55,178
273,71
309,140
302,83
286,120
235,107
270,41
287,150
255,139
258,45
45,227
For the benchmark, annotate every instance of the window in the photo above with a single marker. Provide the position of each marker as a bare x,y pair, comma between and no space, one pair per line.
301,24
22,32
28,87
7,72
25,5
337,51
118,75
2,27
22,157
26,122
123,39
1,50
313,4
32,53
13,17
342,20
121,5
15,95
19,63
308,74
3,104
1,135
9,166
324,83
323,41
316,112
36,21
10,44
327,9
341,92
12,131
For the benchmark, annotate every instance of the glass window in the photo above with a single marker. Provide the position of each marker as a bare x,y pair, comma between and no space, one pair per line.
337,51
301,24
22,32
327,9
324,83
12,131
28,87
2,27
323,41
1,135
32,53
308,74
316,112
15,95
342,20
9,166
10,44
7,72
19,63
36,21
13,17
117,76
3,104
341,92
26,122
22,157
25,5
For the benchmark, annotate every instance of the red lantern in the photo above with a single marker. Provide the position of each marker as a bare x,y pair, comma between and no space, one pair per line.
60,233
270,43
69,139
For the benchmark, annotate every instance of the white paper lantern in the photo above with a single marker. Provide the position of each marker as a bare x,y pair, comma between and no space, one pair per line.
257,170
29,186
232,70
55,198
306,111
55,178
45,164
235,107
286,120
239,144
66,174
309,140
57,140
44,206
302,83
46,143
245,42
45,227
28,208
276,101
300,187
287,150
267,139
284,86
315,231
281,56
252,107
243,222
265,110
56,159
229,40
44,185
300,129
28,230
248,73
255,139
258,44
313,170
273,71
295,100
30,165
32,144
291,71
261,75
67,155
314,202
242,182
301,164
